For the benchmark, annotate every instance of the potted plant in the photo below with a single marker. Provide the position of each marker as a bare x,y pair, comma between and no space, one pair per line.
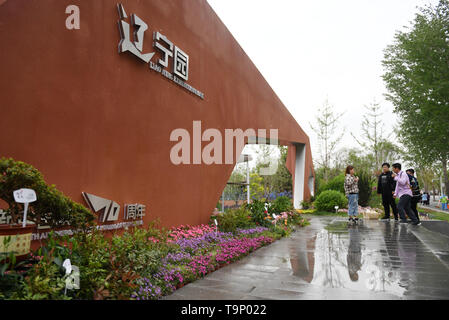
52,207
15,239
15,235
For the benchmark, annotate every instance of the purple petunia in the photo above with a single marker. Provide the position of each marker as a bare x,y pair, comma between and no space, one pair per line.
252,231
147,291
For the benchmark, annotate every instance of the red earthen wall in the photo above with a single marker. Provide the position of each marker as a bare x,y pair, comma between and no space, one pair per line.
91,119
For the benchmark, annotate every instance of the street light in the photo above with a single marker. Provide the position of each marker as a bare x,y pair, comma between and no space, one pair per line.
246,158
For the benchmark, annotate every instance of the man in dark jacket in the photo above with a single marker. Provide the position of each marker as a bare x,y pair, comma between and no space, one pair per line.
415,190
386,187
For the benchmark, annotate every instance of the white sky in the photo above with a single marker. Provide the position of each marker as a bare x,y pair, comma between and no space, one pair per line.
312,50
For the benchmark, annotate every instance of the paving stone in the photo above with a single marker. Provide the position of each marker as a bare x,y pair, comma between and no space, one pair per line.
329,260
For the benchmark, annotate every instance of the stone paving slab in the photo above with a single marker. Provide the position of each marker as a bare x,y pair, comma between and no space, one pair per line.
330,260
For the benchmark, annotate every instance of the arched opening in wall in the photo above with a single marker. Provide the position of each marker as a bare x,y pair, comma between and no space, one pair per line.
261,173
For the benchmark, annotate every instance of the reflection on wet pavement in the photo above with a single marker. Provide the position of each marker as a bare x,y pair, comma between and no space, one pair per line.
330,260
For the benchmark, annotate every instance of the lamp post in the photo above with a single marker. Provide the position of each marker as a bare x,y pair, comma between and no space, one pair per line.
246,158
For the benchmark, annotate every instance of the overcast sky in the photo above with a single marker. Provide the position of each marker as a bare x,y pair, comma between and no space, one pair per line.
312,50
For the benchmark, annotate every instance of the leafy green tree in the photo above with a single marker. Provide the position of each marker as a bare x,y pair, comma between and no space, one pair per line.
282,180
256,187
417,77
388,152
360,161
428,178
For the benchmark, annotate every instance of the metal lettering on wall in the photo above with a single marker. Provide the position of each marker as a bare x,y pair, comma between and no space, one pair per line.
136,46
162,43
110,209
134,211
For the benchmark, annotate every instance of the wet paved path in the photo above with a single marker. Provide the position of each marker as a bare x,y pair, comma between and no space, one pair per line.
328,260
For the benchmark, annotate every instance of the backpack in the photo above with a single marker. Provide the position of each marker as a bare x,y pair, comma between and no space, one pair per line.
414,186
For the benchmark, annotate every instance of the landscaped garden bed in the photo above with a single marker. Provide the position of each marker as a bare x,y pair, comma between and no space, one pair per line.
141,263
144,263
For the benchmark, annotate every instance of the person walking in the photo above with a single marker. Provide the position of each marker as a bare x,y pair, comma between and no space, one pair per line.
416,191
424,198
443,201
352,192
386,186
404,193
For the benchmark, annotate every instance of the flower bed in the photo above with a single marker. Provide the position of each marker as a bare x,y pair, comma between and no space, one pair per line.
142,264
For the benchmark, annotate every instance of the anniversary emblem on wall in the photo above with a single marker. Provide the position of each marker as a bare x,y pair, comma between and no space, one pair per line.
169,51
109,210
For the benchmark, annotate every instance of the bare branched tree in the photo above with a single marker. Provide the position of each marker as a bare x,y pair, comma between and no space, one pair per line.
326,128
373,138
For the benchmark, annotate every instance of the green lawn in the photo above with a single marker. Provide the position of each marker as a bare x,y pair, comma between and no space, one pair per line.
435,215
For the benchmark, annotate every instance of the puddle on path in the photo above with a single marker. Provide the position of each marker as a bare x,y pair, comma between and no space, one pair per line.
373,256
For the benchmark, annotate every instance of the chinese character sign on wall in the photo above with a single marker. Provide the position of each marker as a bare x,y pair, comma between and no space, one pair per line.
134,45
134,211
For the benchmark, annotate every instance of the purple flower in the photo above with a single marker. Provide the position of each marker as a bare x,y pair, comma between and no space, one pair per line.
206,241
251,231
147,291
176,257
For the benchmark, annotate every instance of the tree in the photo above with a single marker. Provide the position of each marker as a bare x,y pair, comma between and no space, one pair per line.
256,187
428,178
359,160
282,180
326,129
388,151
417,77
265,158
374,140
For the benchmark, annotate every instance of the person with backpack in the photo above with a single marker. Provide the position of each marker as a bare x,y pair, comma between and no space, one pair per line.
414,184
386,186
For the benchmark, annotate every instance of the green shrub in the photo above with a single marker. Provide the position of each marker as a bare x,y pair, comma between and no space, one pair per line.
235,219
306,204
327,201
365,188
257,212
337,184
52,206
281,204
375,201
